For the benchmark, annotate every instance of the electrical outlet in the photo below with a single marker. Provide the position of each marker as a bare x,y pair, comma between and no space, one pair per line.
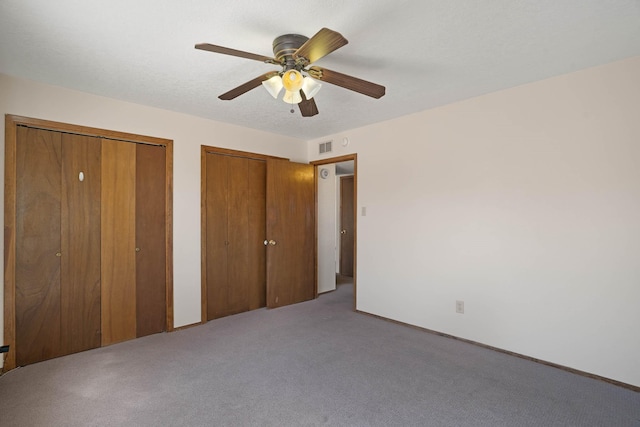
460,307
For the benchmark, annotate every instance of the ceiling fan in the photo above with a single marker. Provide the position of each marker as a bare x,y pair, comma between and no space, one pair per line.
295,54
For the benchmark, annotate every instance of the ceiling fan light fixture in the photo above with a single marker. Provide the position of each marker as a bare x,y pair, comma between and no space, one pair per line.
273,85
292,80
310,87
292,97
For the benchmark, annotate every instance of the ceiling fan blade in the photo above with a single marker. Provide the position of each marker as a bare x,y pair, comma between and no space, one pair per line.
246,87
348,82
235,52
321,44
308,107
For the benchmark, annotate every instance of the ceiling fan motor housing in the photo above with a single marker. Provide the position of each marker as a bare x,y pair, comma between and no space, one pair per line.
285,46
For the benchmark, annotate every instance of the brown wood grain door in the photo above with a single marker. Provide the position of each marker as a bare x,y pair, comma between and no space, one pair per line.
58,246
150,231
246,231
80,260
216,234
291,232
235,230
38,245
70,228
234,296
118,269
346,225
256,252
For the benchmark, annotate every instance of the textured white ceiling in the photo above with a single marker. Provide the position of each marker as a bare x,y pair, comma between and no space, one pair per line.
427,53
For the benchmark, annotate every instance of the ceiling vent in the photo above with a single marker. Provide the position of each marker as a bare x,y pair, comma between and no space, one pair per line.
325,147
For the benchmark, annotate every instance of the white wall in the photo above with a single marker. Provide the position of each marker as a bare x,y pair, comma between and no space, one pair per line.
30,99
327,226
525,204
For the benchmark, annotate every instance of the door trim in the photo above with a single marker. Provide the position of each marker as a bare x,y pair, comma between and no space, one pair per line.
328,161
11,124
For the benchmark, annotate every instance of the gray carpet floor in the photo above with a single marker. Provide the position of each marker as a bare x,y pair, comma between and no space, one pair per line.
316,363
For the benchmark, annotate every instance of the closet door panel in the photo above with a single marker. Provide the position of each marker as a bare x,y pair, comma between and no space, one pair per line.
291,223
80,261
118,290
237,300
150,239
256,252
235,230
216,237
37,299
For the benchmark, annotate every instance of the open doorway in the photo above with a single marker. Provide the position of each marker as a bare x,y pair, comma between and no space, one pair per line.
336,190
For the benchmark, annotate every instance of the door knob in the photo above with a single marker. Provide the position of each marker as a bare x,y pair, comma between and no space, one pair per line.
58,254
343,231
269,242
137,249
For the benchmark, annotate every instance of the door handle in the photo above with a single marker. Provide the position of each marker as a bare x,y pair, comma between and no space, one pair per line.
269,242
343,231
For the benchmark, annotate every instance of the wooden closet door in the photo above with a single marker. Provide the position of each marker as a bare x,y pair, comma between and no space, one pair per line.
235,224
291,225
256,253
216,235
150,239
80,261
246,230
38,245
237,287
118,212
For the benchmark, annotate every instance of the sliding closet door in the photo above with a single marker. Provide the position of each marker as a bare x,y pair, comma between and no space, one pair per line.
150,239
80,261
118,241
38,245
